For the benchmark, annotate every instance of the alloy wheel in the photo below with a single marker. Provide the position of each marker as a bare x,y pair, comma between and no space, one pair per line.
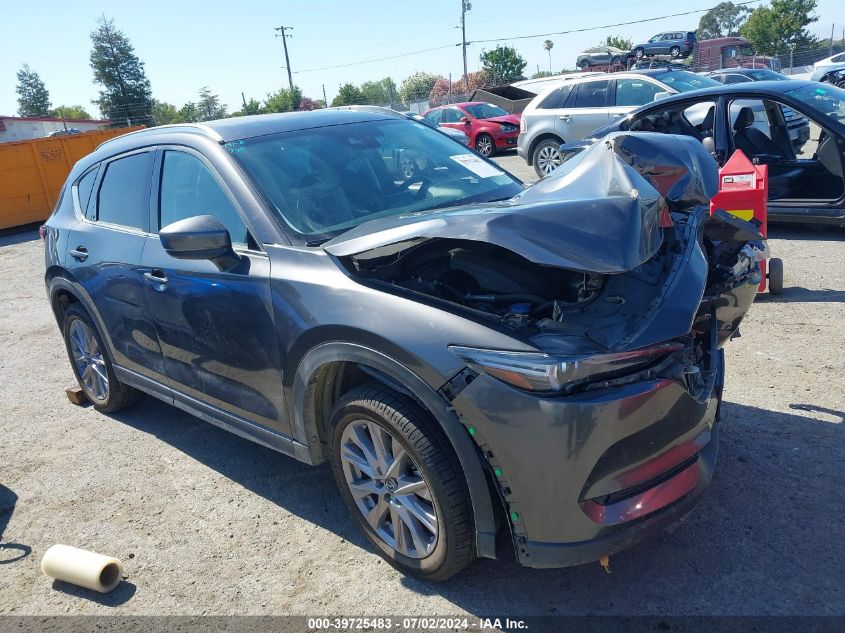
484,145
88,359
389,488
548,159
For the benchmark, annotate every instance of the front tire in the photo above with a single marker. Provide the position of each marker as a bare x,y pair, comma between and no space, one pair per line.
402,482
585,64
639,53
675,52
547,157
485,145
92,364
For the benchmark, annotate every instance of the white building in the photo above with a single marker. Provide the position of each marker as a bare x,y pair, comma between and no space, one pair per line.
14,128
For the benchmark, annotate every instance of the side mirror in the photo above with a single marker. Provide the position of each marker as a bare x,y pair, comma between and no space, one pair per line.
464,120
199,237
661,95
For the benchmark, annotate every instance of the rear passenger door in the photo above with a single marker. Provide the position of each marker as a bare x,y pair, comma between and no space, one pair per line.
105,251
215,327
585,109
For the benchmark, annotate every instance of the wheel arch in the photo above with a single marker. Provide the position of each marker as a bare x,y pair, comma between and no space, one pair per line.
330,369
64,291
542,137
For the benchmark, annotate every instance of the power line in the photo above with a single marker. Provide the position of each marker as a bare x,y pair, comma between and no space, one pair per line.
606,26
517,37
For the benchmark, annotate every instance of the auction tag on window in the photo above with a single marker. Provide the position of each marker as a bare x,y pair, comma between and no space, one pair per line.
477,165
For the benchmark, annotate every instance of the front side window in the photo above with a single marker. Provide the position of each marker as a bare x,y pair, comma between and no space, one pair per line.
451,115
188,188
592,94
124,197
434,116
635,92
323,181
684,81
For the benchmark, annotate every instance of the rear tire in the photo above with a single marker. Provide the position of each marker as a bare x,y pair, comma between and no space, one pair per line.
775,276
92,364
374,429
616,61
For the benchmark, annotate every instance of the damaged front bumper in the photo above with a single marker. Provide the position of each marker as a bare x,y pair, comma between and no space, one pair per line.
587,475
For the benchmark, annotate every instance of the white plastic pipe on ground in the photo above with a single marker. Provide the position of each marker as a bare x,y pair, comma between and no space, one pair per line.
83,568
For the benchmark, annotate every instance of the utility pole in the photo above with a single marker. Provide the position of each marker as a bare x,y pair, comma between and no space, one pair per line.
243,98
284,37
465,6
325,98
831,38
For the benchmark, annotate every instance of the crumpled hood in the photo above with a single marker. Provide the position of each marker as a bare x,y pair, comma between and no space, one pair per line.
513,119
599,212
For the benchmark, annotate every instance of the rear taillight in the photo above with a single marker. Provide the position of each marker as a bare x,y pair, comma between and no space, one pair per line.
42,231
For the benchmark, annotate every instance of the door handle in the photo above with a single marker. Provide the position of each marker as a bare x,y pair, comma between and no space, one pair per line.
565,117
157,278
80,253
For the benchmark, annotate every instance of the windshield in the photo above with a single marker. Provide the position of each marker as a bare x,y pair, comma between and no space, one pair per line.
484,110
822,98
684,81
766,75
323,181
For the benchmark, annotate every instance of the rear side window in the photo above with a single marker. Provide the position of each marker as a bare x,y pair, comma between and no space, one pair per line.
592,94
124,197
555,99
434,116
188,188
84,187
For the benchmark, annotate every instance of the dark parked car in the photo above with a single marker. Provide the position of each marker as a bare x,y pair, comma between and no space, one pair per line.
601,56
453,345
806,183
742,75
673,43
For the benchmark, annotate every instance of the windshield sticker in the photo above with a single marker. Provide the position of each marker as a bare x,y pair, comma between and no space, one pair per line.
235,147
476,165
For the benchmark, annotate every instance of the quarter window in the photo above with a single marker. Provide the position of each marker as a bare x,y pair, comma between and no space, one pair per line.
188,188
84,188
124,197
555,99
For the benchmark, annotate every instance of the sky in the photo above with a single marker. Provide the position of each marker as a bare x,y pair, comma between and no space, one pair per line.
231,46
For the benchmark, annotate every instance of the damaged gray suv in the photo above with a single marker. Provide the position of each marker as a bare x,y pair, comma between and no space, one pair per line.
465,352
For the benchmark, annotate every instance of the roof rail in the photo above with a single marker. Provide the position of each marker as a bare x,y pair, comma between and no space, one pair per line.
190,128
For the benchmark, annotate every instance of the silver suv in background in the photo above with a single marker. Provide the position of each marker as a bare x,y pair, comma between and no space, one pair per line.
568,112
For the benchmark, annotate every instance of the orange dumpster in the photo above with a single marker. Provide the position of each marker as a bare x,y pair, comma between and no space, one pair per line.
32,172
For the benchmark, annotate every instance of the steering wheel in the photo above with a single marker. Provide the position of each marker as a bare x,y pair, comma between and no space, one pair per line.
425,185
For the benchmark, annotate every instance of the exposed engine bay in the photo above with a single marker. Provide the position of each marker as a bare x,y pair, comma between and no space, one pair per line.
618,247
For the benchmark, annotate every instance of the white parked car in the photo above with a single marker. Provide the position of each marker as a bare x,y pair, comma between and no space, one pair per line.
839,58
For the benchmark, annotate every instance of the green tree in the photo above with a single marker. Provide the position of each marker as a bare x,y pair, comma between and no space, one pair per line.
617,41
285,100
164,113
540,74
417,87
780,26
33,97
70,112
209,106
503,64
126,96
188,113
723,20
381,92
348,94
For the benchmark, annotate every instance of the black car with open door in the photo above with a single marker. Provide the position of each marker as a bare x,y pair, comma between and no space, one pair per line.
806,181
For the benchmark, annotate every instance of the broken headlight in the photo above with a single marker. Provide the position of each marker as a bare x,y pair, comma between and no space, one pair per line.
544,373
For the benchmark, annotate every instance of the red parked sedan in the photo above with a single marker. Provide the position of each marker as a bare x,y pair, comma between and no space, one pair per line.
489,127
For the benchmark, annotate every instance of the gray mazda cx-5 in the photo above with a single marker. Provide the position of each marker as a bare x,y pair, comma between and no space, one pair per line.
458,347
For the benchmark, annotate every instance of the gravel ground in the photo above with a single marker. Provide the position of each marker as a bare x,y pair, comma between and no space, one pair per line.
208,523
